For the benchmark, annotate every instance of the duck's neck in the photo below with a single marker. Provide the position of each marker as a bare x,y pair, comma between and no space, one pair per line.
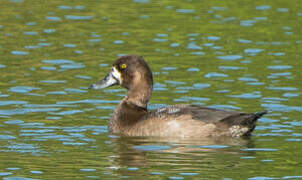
139,95
140,90
132,108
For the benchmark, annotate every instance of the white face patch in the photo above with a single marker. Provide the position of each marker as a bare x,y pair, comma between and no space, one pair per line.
116,74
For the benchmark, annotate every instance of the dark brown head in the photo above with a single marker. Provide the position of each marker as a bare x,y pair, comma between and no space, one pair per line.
131,72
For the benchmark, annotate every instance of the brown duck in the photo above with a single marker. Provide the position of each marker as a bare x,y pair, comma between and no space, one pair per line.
132,118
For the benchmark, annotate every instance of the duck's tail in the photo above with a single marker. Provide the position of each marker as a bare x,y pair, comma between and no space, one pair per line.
258,115
251,123
243,124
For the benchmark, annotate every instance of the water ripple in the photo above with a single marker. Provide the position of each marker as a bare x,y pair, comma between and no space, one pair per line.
19,53
279,67
74,17
214,74
185,11
263,7
152,147
141,1
69,112
25,111
72,66
6,137
6,103
53,18
58,61
253,51
23,89
194,46
229,57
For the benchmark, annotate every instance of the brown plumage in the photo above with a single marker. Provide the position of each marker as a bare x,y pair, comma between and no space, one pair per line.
132,118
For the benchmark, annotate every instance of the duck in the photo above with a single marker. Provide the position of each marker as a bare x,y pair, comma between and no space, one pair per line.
132,118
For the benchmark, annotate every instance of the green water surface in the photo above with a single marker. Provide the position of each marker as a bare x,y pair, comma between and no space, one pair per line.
239,55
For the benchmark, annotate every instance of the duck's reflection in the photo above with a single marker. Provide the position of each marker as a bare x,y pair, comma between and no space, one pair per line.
148,151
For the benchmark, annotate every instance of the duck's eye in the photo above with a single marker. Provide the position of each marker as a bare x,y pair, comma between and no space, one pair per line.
124,66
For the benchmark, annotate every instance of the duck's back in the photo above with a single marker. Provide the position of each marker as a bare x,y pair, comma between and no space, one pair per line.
195,121
205,114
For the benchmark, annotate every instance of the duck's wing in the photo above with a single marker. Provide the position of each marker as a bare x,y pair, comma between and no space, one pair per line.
238,123
196,121
205,114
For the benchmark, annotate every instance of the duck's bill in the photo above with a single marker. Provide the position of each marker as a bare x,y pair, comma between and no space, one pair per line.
109,80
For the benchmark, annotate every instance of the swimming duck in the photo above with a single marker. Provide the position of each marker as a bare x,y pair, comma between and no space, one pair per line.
132,118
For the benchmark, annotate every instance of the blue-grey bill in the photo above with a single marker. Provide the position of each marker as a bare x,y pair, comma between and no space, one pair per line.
108,81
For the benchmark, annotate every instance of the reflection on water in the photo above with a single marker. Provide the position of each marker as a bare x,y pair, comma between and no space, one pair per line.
190,155
242,56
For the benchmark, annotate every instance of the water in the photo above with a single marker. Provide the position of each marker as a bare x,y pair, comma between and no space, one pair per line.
235,55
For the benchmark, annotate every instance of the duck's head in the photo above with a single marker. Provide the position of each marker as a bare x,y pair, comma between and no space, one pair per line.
131,72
